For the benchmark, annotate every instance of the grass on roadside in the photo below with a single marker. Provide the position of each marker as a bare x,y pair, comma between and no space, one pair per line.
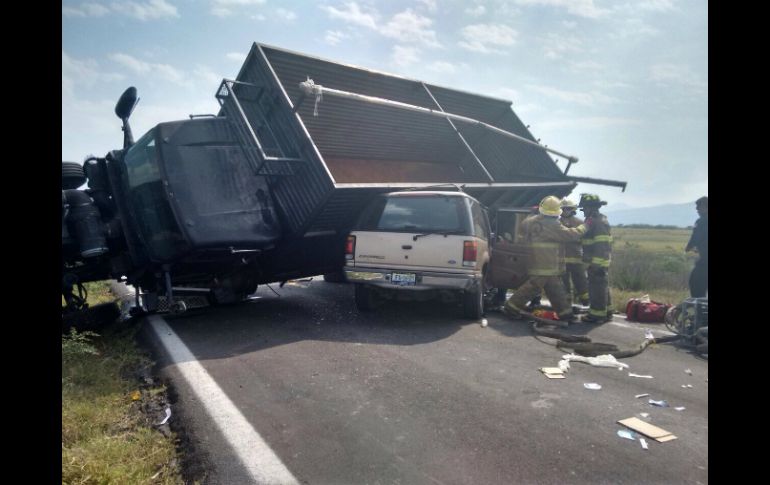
105,436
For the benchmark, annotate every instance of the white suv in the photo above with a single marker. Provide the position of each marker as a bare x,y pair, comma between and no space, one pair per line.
420,244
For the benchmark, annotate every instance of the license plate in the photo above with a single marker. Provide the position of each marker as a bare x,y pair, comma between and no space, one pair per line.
402,279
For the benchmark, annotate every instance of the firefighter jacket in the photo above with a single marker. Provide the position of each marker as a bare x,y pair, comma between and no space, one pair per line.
597,241
546,237
573,251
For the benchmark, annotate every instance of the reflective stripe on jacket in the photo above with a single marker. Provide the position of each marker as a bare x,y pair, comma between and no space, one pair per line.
546,237
597,241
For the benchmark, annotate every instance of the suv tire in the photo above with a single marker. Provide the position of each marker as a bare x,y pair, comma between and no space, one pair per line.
72,175
338,277
473,303
365,298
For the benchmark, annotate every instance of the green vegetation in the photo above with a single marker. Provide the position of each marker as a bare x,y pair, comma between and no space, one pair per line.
106,438
649,261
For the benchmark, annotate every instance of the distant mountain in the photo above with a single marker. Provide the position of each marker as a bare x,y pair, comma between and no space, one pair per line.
681,215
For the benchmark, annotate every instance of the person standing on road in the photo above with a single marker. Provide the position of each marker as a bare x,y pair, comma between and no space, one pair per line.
597,248
575,282
699,241
546,237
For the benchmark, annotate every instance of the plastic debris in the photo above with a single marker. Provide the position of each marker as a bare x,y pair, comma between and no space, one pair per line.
168,415
644,415
641,395
661,403
688,372
592,385
648,335
563,365
484,322
631,374
136,395
643,442
624,433
680,408
606,360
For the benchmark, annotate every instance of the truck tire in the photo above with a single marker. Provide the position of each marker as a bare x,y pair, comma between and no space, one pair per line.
72,175
366,299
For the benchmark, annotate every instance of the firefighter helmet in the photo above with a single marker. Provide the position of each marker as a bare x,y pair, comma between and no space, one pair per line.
550,206
591,200
568,204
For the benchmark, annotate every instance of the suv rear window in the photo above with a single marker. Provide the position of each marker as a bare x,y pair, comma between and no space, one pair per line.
419,213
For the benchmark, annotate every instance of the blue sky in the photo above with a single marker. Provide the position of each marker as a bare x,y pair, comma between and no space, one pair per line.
621,85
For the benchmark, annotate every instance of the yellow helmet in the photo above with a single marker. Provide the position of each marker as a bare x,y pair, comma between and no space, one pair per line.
550,206
566,203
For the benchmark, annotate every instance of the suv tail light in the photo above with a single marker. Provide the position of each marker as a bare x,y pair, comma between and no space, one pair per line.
350,247
470,253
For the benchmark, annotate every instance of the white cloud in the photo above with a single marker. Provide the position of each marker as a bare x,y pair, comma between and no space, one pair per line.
163,71
85,10
586,66
633,27
285,14
236,56
76,72
580,8
569,24
507,93
556,46
408,26
442,67
149,10
577,97
587,122
224,8
333,37
352,14
476,11
483,37
404,56
210,78
648,6
429,4
678,74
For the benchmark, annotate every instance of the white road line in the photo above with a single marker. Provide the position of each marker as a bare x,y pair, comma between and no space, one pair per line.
257,457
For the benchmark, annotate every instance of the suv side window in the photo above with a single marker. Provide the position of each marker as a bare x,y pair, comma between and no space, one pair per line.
480,221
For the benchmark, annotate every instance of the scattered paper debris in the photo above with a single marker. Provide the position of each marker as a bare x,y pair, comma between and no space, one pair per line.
641,395
662,404
688,372
658,434
606,360
136,395
168,415
624,433
680,408
592,385
552,372
643,442
644,415
631,374
563,365
484,322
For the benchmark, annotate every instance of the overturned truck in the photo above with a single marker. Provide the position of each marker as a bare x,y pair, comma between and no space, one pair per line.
267,189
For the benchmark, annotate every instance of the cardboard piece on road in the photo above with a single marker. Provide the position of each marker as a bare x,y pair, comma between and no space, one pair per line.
658,434
553,372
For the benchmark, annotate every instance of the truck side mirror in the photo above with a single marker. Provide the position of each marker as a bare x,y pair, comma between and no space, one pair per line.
126,103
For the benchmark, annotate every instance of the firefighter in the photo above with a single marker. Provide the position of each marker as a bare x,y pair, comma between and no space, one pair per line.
575,277
596,255
546,237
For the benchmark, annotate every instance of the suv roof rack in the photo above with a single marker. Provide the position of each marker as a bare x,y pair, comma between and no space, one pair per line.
457,187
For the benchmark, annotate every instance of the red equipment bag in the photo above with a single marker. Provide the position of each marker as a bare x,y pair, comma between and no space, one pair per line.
645,310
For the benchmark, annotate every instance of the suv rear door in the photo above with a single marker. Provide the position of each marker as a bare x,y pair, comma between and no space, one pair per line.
413,231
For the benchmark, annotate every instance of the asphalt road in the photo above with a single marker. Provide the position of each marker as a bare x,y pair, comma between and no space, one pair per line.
413,393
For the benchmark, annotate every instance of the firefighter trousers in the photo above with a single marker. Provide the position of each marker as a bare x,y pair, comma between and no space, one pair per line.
599,292
576,283
534,286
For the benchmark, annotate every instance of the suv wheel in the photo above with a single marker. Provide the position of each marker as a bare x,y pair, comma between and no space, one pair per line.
365,298
473,304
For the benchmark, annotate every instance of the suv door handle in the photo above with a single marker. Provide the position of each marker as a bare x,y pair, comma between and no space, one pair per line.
406,246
